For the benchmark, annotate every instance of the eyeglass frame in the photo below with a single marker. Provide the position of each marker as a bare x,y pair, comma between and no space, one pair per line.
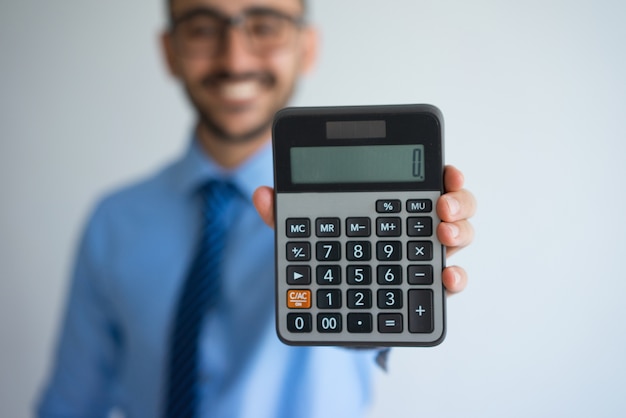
236,21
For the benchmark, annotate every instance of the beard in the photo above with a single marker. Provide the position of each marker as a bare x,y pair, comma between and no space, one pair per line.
211,121
208,121
223,135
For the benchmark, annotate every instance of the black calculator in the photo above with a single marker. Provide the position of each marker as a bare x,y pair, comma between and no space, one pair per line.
358,262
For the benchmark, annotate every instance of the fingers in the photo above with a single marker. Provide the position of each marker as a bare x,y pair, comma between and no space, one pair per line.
263,199
454,279
455,235
453,179
454,208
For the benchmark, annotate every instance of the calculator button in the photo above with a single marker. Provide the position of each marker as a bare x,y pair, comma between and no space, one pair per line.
389,298
299,299
419,205
359,275
359,322
420,250
389,274
299,322
328,251
298,251
328,275
298,227
389,322
358,227
359,298
419,227
420,274
388,206
329,298
298,275
358,250
388,227
389,250
329,322
327,227
420,311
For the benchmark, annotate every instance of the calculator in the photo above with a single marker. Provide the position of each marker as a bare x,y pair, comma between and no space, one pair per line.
358,262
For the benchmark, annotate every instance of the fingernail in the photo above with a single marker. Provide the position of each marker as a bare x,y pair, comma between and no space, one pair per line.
457,278
454,230
453,205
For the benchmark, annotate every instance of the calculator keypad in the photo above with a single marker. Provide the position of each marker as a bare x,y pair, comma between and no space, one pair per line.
364,271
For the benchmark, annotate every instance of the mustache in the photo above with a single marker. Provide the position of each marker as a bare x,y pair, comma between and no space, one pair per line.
263,77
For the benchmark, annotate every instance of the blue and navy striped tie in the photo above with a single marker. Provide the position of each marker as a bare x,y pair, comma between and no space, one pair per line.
200,292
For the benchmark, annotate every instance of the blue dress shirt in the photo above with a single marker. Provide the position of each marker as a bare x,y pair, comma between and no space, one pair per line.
131,264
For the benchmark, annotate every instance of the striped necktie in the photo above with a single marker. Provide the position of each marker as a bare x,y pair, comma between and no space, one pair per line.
200,292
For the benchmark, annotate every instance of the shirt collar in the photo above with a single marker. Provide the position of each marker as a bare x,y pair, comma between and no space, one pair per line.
196,168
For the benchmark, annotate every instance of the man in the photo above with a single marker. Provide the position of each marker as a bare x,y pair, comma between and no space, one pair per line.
239,61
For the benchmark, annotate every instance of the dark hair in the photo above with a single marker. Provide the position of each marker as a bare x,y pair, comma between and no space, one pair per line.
302,2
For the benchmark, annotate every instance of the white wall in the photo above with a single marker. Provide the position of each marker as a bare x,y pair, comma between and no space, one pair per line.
534,96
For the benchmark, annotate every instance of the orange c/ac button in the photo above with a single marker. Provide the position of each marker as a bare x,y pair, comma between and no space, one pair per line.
299,299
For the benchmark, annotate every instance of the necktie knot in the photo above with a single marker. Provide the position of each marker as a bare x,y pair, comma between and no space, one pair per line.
217,197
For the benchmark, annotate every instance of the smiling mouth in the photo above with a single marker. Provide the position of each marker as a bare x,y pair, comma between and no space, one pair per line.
239,88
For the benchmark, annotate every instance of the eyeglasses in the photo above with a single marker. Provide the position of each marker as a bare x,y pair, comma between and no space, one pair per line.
201,32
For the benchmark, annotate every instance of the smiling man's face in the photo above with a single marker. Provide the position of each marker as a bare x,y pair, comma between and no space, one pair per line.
237,76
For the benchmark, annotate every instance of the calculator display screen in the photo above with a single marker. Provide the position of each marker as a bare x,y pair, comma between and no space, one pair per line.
358,164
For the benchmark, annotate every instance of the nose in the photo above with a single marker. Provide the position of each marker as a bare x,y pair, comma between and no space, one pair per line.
235,53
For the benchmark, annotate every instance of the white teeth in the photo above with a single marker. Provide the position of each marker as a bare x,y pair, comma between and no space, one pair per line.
240,90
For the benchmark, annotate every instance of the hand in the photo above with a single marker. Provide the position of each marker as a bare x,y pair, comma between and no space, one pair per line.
454,208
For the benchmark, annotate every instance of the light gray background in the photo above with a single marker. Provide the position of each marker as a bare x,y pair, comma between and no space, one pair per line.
534,96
